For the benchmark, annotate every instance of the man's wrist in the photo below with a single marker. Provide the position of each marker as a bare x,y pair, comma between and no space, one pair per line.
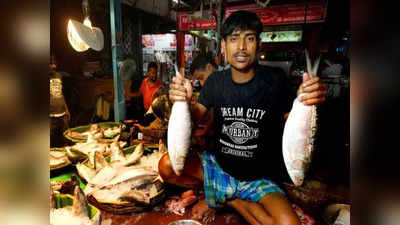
298,91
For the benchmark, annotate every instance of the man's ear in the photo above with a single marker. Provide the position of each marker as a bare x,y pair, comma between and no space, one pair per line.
259,44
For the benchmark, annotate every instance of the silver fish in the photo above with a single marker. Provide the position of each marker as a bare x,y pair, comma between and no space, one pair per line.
179,132
85,172
299,135
135,156
114,192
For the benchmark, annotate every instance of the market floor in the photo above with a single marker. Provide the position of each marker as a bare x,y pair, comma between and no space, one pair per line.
159,217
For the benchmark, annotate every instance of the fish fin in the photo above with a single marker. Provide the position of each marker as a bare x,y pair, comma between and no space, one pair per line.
99,161
135,156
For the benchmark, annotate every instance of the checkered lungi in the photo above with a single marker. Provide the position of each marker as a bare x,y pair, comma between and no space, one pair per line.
220,187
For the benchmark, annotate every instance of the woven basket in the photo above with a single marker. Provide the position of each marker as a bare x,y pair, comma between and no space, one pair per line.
123,207
81,129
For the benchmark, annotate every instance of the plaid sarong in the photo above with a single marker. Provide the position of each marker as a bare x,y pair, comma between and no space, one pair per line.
220,187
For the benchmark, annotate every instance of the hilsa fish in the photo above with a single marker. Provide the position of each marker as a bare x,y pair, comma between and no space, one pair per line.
179,131
298,140
299,135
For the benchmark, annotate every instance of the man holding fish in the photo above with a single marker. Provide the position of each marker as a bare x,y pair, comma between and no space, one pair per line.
250,104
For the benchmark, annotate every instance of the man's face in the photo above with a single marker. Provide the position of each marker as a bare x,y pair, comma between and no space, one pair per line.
240,49
152,74
202,75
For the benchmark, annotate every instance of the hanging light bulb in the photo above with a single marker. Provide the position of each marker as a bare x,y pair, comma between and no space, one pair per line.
74,38
87,22
84,36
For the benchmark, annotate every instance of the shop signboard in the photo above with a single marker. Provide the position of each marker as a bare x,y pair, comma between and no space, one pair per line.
164,42
281,36
271,15
187,22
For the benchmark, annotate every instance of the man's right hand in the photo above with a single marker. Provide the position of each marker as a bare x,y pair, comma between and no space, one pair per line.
180,89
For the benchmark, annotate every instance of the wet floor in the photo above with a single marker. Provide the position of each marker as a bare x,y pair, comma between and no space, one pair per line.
159,217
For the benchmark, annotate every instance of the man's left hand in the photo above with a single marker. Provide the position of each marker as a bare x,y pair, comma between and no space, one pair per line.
314,90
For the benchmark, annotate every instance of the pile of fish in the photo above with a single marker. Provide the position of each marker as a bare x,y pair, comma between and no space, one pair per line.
299,134
131,178
90,147
97,132
77,214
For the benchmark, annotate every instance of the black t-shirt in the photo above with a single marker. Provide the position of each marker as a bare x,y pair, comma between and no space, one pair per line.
248,121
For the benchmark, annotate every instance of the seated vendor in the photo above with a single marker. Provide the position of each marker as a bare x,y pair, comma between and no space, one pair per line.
249,103
202,67
149,86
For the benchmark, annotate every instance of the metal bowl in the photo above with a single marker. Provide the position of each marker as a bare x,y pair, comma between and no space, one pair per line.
185,222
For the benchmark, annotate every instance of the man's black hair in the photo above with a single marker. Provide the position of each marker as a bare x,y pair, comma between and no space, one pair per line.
152,65
242,20
200,63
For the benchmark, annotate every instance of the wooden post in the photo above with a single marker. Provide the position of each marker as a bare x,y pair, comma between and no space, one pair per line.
180,49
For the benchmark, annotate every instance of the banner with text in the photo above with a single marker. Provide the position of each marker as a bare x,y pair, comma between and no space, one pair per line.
272,15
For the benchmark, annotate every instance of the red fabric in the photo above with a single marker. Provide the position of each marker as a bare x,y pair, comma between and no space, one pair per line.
303,217
147,91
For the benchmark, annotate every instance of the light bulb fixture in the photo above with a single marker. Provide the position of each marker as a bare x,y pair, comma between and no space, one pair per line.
87,22
83,36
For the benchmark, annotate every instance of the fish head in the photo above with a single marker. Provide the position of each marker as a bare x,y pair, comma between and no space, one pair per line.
79,205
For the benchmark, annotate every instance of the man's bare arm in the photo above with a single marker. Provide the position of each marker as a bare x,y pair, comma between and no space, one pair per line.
199,112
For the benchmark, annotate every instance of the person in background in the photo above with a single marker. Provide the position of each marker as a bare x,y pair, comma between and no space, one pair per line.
149,86
58,110
250,103
202,67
